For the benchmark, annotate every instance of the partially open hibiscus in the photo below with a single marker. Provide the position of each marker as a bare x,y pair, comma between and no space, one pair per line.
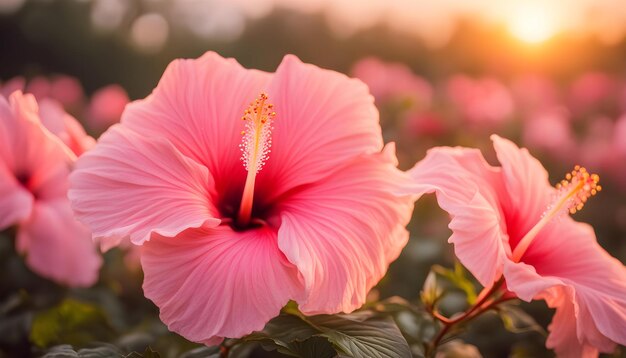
225,244
509,222
35,162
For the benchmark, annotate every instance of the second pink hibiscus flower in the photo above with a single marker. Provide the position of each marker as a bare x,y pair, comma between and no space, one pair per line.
509,222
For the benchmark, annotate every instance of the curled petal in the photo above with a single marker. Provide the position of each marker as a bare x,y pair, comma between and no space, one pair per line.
469,190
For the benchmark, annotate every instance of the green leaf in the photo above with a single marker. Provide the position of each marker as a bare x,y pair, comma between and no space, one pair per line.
289,328
72,322
363,335
285,333
517,321
459,280
67,351
61,351
314,347
147,353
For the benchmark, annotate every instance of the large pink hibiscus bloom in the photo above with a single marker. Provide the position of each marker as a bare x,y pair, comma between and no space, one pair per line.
34,166
224,244
509,221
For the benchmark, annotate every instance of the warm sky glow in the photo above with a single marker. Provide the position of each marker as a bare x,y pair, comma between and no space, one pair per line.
532,23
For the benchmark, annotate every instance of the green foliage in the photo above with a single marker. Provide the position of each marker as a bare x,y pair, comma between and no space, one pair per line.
102,351
67,351
393,327
148,353
72,322
285,333
362,334
458,279
517,321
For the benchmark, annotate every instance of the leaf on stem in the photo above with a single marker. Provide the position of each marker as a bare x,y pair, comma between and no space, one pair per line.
517,320
458,279
361,334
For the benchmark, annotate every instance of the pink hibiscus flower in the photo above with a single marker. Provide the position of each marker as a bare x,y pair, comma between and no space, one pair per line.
225,245
12,85
593,91
106,107
509,221
549,129
65,89
535,93
34,166
391,80
482,101
51,111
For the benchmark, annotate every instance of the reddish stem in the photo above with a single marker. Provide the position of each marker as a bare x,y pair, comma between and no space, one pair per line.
482,305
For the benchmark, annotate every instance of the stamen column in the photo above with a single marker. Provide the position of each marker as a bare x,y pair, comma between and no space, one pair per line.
255,148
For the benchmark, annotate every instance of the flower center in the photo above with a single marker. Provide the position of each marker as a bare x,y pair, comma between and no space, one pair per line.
23,179
572,194
255,148
26,181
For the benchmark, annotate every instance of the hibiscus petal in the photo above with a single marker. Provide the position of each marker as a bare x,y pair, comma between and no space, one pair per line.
57,246
217,282
29,152
567,254
563,337
470,191
65,127
323,120
128,185
197,106
343,231
527,185
16,203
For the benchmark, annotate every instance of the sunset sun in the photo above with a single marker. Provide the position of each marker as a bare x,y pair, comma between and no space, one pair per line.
532,23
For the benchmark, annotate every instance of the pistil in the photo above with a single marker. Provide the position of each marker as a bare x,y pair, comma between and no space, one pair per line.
255,148
572,194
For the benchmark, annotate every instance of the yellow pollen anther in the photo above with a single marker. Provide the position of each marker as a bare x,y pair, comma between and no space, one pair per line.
257,140
571,195
255,148
577,187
